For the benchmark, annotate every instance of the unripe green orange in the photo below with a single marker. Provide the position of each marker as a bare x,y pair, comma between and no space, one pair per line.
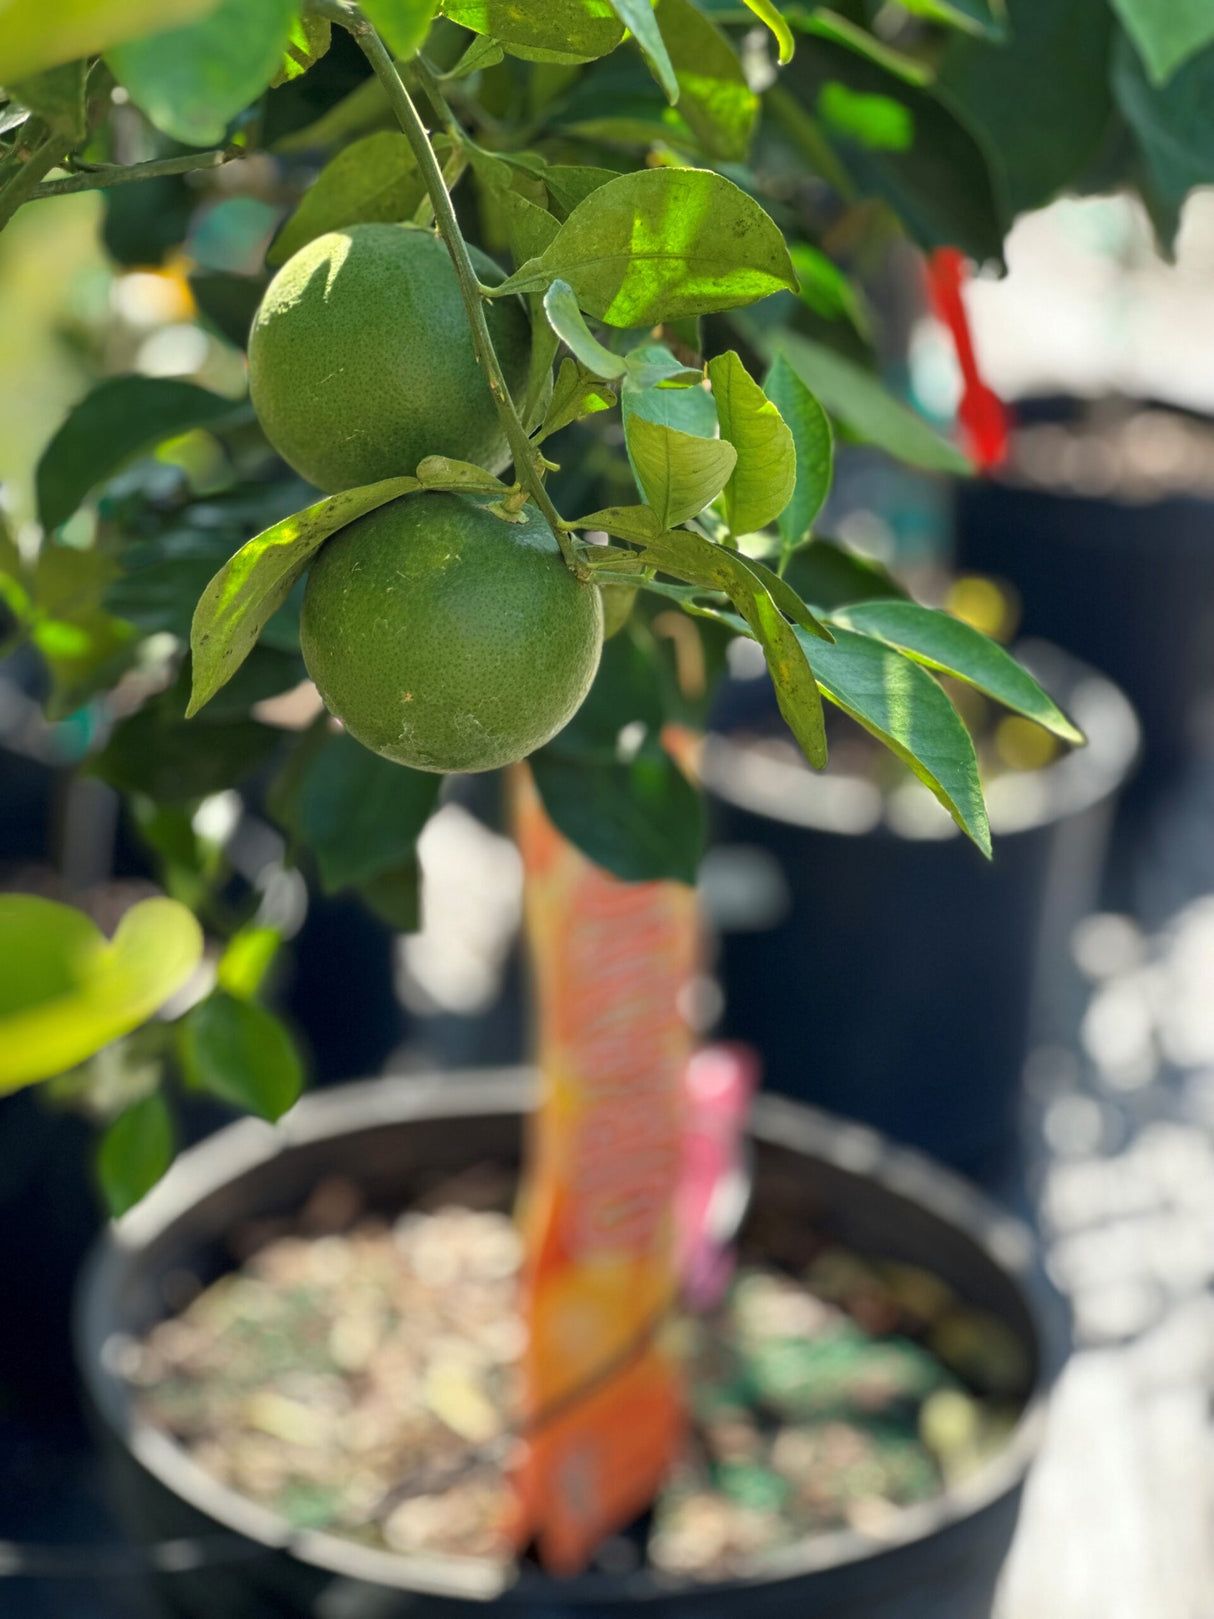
446,638
361,360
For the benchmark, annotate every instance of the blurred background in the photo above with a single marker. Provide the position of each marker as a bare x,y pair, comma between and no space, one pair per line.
1052,1034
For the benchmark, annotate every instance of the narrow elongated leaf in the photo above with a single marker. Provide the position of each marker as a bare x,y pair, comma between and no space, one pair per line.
901,704
761,483
66,991
121,418
135,1152
715,100
766,12
866,407
241,1053
404,24
956,648
192,81
678,474
560,31
659,244
374,179
813,445
252,585
567,322
638,17
359,814
1167,35
577,393
35,36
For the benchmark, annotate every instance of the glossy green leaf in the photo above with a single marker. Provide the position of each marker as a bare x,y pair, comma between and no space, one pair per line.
1174,128
678,474
404,24
638,17
253,584
192,81
39,34
967,16
66,991
558,31
715,100
577,393
1057,54
813,445
903,706
662,243
358,813
121,418
955,648
761,483
239,1052
373,179
571,183
566,320
826,290
1167,33
766,12
866,407
135,1152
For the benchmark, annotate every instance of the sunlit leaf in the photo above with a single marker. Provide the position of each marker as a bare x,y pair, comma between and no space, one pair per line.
66,991
567,322
766,12
373,179
761,483
715,100
662,243
814,448
567,31
38,34
577,393
404,24
253,584
678,474
637,16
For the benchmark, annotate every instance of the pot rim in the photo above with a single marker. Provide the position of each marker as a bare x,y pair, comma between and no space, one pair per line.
787,790
243,1146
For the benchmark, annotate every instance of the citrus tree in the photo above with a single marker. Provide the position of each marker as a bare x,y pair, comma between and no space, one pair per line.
562,317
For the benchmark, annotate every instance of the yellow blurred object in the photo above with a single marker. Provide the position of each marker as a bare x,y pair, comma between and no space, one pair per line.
1023,745
984,604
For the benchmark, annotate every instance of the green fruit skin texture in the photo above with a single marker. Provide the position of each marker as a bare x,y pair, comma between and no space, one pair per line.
361,360
446,638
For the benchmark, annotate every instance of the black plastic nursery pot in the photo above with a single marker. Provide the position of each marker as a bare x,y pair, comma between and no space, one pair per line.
923,971
221,1555
1128,586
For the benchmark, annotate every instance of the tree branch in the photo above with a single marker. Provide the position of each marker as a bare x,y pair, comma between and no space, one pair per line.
24,183
117,174
526,468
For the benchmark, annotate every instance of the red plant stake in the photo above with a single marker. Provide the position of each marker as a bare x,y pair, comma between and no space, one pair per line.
982,414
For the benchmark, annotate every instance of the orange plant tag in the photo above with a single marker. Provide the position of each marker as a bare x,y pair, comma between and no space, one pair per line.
603,1403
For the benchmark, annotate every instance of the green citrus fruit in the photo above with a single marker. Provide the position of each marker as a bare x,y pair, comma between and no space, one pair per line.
447,638
361,360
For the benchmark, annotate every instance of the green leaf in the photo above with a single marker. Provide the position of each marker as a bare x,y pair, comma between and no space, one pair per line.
309,39
761,483
1167,35
814,450
826,290
246,960
396,897
661,243
227,302
1174,128
968,16
66,991
568,31
865,406
36,34
253,584
404,24
359,814
652,364
715,100
566,321
577,393
942,642
155,753
441,472
897,701
482,53
678,474
766,12
134,1152
571,183
829,575
84,647
1057,55
192,81
638,17
57,97
238,1051
121,418
375,179
687,409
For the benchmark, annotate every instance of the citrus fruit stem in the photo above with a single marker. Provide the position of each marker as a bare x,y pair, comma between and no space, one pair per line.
378,55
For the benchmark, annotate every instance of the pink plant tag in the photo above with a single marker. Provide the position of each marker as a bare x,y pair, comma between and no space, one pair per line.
718,1087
